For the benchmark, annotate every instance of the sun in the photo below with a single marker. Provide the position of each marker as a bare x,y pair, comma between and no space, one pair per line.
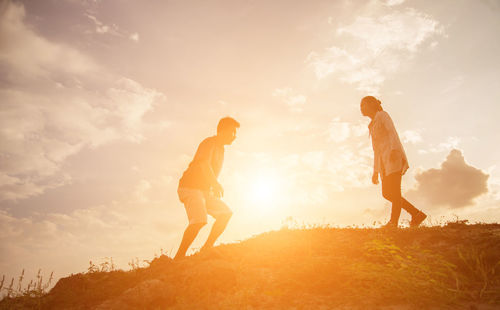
264,191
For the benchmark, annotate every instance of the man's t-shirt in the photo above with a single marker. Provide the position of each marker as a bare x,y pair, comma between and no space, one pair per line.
208,151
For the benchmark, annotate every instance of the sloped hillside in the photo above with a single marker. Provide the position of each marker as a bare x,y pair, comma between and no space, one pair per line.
451,267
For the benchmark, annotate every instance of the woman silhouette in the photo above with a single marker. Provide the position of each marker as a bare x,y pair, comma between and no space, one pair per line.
389,161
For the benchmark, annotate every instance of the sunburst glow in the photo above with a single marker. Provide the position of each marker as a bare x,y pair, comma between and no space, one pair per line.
264,191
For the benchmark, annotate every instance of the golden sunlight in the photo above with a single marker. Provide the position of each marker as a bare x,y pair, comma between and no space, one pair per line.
265,191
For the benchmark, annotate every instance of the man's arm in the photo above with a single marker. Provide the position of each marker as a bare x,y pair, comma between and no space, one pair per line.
210,175
204,159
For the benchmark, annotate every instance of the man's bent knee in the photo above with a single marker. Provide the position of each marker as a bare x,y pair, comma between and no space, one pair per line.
225,216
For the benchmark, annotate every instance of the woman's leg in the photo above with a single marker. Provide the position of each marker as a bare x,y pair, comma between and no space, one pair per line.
417,216
405,204
391,190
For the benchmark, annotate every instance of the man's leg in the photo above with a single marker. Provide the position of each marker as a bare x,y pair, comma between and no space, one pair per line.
194,203
222,213
187,239
217,229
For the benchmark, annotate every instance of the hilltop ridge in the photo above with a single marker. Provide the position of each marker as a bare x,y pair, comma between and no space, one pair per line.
452,267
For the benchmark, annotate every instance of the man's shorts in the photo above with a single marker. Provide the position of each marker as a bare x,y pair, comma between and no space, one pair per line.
199,203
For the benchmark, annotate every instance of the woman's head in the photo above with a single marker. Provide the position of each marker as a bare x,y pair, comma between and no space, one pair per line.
370,106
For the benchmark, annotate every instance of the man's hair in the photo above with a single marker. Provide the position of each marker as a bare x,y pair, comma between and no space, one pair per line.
227,122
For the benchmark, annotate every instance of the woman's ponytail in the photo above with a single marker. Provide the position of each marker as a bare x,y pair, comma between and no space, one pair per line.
372,101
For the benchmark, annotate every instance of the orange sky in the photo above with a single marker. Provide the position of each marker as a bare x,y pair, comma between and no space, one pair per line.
103,104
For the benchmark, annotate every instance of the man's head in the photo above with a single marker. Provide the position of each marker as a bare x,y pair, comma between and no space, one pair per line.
226,130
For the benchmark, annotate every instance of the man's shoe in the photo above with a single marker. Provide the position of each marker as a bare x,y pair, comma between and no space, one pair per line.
417,219
179,258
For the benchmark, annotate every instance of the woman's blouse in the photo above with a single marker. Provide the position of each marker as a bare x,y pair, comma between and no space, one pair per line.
385,139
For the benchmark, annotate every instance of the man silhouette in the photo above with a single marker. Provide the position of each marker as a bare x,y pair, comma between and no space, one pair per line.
199,190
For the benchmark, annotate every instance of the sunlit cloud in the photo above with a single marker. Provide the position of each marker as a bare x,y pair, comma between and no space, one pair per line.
455,183
411,136
340,131
58,102
111,29
291,98
449,144
19,57
141,191
374,46
134,37
394,2
101,27
136,225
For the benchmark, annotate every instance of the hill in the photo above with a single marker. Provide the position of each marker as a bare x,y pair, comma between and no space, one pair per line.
452,267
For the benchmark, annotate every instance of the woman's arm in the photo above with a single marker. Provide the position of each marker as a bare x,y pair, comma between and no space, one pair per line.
376,161
392,138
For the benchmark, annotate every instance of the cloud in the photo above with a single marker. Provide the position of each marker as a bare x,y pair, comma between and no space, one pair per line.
141,191
56,102
374,45
136,225
394,2
340,131
290,97
29,55
401,31
111,29
451,143
455,184
134,37
101,27
411,136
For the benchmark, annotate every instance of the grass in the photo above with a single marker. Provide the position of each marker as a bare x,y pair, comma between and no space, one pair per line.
31,295
456,266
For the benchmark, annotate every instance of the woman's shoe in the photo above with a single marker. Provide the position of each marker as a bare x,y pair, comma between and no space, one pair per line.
417,219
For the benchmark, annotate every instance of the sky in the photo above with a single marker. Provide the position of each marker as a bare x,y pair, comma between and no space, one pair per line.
103,104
